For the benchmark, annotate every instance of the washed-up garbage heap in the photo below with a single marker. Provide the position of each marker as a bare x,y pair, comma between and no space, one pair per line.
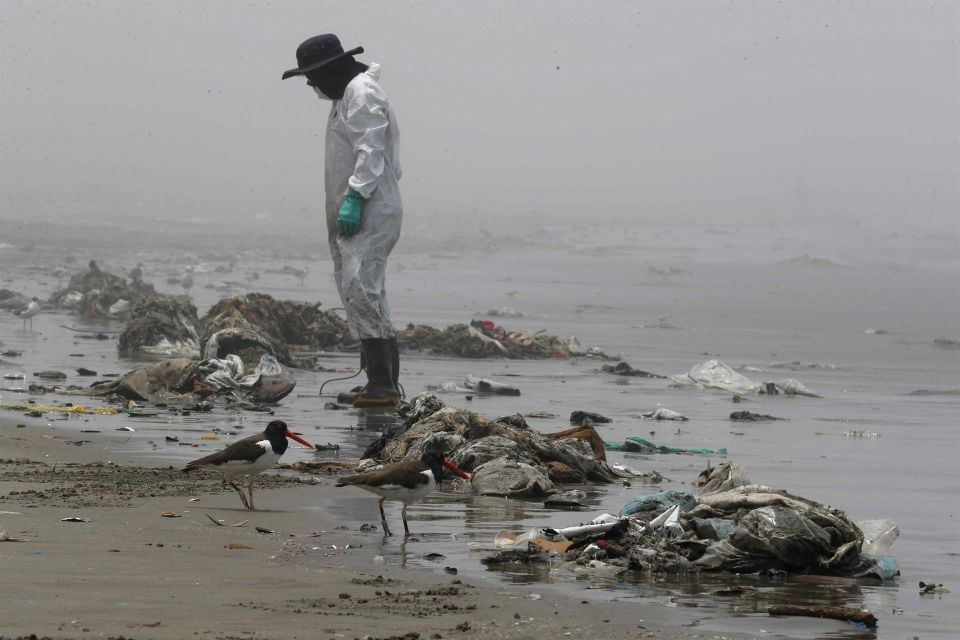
188,382
484,339
98,294
732,525
505,456
164,325
255,324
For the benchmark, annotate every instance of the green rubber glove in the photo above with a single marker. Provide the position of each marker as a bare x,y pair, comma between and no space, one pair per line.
348,220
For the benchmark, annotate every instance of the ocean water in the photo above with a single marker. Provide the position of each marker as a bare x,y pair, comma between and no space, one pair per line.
859,313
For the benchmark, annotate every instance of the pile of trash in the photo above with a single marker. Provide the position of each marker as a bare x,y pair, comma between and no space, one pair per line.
714,374
185,381
505,456
731,525
248,326
98,294
484,339
473,384
255,324
163,325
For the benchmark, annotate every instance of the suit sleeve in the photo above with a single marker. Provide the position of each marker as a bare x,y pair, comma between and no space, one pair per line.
367,121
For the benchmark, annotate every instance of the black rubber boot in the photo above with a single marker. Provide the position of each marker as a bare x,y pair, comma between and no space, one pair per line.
395,364
379,391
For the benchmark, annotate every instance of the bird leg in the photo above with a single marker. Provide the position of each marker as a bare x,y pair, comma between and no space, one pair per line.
403,514
383,520
243,498
250,491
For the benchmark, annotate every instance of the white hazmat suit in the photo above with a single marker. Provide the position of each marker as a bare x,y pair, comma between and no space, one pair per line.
362,153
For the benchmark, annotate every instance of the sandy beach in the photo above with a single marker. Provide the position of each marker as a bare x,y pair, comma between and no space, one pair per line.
893,388
129,571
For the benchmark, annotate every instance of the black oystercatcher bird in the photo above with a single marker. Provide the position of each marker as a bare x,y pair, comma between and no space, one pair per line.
406,481
250,456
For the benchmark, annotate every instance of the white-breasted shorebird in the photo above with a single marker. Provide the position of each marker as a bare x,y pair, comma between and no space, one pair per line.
406,481
250,456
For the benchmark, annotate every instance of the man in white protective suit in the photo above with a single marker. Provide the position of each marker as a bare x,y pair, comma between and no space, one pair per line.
364,210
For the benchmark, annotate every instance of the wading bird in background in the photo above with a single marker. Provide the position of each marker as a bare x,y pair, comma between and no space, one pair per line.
28,312
187,283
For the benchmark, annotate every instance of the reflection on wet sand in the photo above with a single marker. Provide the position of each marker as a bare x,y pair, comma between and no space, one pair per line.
748,314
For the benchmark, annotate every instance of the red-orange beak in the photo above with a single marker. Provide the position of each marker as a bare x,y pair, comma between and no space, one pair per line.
293,436
456,470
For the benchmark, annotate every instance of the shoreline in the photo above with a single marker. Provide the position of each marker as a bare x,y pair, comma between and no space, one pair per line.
130,571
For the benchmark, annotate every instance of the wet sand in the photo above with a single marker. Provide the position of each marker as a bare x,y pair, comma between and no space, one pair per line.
738,299
130,571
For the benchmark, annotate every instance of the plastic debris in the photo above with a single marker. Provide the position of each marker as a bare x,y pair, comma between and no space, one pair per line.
585,418
835,613
667,523
747,416
485,339
505,454
502,312
49,408
723,477
624,369
539,414
714,374
664,414
878,536
566,500
866,435
748,529
486,385
659,502
94,293
637,444
162,325
5,537
255,324
221,524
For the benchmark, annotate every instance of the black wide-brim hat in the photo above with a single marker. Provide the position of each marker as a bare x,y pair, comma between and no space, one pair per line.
317,52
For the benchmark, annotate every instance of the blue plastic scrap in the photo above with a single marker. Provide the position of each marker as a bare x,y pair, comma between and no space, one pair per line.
640,445
660,501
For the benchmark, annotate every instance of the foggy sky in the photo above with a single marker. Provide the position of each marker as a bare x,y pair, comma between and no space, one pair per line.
709,110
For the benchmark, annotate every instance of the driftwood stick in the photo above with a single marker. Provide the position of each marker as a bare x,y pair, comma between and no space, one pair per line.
834,613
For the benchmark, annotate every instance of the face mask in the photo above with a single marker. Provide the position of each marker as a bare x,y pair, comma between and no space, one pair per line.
320,94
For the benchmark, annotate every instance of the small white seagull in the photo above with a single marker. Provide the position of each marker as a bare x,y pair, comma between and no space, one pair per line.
31,310
187,283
